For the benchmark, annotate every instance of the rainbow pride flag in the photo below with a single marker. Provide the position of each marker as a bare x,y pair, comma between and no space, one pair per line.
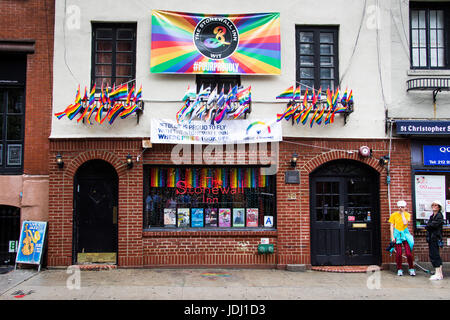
185,43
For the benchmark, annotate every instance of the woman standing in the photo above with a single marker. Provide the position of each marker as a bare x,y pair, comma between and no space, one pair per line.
401,237
434,237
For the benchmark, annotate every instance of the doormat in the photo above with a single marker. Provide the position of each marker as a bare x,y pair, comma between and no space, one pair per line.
96,267
341,269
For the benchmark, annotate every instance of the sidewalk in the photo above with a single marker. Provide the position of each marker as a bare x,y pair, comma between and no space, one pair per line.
217,284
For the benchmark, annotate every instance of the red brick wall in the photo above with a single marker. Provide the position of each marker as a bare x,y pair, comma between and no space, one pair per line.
194,248
34,20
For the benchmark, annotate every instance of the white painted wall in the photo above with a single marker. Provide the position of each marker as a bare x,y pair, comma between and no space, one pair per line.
162,93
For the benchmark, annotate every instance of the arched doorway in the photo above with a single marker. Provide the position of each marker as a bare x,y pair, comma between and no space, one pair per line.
345,215
95,213
9,234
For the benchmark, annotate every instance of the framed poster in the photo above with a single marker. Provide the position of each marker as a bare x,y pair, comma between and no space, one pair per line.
211,217
252,217
183,217
427,189
238,217
224,217
197,217
31,242
170,217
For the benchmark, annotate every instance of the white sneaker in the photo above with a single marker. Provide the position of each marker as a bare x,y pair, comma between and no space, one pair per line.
400,272
412,272
436,277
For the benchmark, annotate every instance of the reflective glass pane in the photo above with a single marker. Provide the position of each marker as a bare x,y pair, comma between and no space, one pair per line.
432,18
307,73
422,23
103,70
414,18
124,46
326,37
14,128
124,58
103,57
1,126
306,60
124,34
15,101
2,101
14,155
104,33
123,71
306,49
326,73
325,84
326,61
306,37
326,49
102,45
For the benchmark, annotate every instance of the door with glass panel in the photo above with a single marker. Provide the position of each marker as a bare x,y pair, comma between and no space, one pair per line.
345,215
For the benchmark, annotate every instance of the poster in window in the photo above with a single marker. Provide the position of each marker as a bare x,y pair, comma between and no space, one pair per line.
197,217
428,188
238,217
211,217
183,217
252,217
14,155
224,217
170,217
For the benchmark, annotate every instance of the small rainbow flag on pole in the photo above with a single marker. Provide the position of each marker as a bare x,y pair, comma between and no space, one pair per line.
287,94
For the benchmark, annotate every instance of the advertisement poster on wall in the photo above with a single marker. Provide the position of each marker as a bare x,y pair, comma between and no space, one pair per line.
428,188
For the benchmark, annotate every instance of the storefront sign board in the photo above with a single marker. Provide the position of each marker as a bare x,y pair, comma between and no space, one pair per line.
227,132
436,155
423,127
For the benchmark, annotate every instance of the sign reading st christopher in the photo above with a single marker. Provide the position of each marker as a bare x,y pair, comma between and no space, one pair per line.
216,38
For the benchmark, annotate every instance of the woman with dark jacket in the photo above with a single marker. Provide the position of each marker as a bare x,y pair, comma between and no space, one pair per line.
434,236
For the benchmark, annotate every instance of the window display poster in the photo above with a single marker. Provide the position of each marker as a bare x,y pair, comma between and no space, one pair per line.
428,188
238,217
211,217
170,217
197,217
224,217
252,217
31,242
183,217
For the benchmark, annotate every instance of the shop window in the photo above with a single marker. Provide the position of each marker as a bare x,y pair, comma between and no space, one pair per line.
225,82
113,54
205,198
317,57
429,39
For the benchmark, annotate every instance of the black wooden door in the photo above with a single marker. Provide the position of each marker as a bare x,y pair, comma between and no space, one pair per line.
95,218
345,216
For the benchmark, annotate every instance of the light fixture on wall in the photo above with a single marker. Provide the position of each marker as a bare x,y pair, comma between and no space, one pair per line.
294,160
384,160
59,161
129,161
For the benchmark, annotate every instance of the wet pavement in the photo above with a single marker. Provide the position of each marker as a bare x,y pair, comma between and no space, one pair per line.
217,284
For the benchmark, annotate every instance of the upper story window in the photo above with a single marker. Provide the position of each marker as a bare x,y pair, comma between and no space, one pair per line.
114,53
429,43
12,112
220,81
317,57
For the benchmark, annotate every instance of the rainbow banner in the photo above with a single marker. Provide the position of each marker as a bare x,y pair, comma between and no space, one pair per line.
218,44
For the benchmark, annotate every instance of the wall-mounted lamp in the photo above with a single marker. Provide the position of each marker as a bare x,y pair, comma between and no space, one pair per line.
59,161
129,161
384,160
294,160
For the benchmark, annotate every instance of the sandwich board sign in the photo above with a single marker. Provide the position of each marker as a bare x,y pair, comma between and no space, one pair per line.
31,243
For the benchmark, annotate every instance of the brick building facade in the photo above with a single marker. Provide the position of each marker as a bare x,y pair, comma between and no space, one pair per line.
26,81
